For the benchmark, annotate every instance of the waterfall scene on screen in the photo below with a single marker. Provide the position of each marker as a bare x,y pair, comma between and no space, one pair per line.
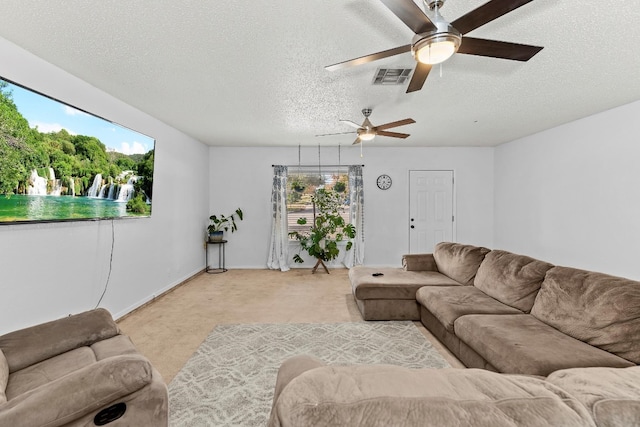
60,163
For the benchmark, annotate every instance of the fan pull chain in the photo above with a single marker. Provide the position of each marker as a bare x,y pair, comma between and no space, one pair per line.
361,145
441,69
319,169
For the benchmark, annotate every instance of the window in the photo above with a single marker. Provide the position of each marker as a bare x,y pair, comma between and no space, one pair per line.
302,182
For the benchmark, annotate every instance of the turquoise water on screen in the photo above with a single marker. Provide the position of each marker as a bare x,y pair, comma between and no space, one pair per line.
19,208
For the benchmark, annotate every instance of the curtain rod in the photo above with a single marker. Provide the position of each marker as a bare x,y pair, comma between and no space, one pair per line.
315,166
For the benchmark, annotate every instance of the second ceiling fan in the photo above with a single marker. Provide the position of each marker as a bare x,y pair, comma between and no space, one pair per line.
367,131
436,40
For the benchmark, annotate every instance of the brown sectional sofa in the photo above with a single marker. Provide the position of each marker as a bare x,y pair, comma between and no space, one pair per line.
565,344
78,371
506,312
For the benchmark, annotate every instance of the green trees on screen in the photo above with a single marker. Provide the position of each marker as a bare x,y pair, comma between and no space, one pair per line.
72,157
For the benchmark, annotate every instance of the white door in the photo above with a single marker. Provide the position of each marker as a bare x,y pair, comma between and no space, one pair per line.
430,209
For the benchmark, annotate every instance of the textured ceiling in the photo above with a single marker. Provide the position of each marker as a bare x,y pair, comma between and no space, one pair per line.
252,73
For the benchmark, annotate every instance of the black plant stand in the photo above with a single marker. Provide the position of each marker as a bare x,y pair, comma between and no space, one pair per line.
221,257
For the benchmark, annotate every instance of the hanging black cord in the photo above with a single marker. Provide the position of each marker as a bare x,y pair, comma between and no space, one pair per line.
106,285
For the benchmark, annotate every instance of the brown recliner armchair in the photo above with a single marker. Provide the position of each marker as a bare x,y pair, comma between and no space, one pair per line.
78,371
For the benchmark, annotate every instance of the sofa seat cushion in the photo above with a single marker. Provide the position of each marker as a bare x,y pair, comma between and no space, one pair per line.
521,344
382,395
4,377
395,283
459,262
611,395
48,370
447,303
511,279
596,308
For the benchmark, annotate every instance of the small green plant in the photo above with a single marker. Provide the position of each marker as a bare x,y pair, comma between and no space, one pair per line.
329,228
225,223
339,187
297,185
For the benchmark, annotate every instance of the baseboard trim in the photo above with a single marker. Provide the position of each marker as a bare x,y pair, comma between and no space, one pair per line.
152,298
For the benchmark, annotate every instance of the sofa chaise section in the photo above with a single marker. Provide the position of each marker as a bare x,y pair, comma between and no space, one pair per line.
391,295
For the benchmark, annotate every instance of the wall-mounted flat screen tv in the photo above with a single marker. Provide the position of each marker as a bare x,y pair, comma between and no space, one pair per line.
61,163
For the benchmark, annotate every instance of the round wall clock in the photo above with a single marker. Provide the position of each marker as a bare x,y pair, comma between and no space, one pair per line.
384,182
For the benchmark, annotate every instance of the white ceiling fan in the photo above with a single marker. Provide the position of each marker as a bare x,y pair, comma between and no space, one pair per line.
367,131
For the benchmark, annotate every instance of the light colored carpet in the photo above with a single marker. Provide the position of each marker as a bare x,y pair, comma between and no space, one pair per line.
229,380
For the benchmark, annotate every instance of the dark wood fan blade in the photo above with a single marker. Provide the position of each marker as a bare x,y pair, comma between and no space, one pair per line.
392,134
369,58
411,14
486,13
419,76
394,124
498,49
339,133
357,141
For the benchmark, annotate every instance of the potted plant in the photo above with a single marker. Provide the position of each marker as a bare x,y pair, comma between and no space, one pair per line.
221,223
329,228
339,187
297,185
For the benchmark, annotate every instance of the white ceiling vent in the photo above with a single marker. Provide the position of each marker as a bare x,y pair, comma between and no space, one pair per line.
392,76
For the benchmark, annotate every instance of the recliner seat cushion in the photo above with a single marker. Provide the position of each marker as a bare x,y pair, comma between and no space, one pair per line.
522,344
511,279
459,262
447,303
49,370
611,395
395,283
599,309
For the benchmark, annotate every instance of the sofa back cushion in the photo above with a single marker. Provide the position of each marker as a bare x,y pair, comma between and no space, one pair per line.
4,377
459,262
511,279
596,308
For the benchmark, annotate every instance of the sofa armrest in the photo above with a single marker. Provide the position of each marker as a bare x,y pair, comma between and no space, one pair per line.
291,368
34,344
419,262
75,395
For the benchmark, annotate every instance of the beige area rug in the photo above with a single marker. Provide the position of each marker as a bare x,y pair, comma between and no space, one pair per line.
229,380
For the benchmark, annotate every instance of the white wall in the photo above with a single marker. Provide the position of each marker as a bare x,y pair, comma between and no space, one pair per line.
571,195
52,270
241,177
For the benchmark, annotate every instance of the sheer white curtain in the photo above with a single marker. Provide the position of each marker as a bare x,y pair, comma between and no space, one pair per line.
279,247
356,194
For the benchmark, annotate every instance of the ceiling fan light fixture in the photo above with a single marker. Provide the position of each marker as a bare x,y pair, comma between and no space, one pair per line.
366,135
436,48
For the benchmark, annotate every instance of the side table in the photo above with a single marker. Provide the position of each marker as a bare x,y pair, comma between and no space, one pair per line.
221,257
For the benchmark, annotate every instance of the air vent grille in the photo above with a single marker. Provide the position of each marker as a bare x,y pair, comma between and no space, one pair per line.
391,76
